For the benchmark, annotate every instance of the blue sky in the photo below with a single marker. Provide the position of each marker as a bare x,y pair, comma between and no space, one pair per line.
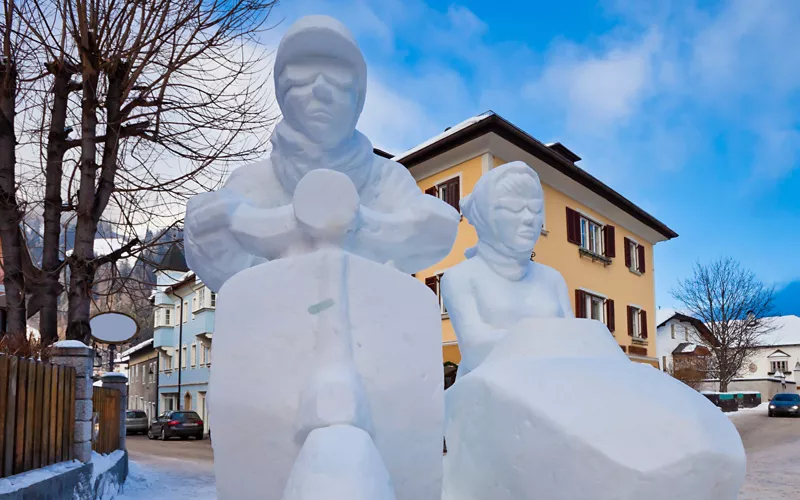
691,109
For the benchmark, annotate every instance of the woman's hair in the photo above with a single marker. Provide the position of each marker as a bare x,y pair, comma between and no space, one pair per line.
477,206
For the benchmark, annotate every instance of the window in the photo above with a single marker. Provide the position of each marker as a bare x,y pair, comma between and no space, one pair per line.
433,282
201,298
593,237
634,256
175,361
672,328
184,352
637,322
194,355
167,317
213,299
591,306
194,303
208,355
686,333
185,311
779,366
448,191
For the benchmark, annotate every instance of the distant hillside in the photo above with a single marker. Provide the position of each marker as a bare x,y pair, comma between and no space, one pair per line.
787,299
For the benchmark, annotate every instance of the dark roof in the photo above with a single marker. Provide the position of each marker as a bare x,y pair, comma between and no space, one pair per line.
701,327
564,151
382,153
494,123
174,259
697,350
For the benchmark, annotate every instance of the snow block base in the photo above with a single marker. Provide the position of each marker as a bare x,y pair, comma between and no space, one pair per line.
270,320
556,411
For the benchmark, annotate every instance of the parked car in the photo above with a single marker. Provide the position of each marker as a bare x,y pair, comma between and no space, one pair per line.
136,422
785,404
183,424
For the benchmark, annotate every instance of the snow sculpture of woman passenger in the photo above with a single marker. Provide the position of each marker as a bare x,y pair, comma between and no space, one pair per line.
548,406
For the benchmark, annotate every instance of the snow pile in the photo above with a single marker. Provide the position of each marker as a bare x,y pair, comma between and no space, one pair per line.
762,408
70,344
106,486
20,481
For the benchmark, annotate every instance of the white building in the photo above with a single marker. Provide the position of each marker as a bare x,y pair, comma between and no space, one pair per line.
774,368
679,335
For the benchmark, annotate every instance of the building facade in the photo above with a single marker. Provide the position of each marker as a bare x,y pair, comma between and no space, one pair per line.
141,363
183,332
599,241
681,340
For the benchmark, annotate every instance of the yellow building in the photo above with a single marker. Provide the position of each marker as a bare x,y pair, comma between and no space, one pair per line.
597,239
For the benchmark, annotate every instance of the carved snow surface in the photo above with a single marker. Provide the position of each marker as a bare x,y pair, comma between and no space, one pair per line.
557,411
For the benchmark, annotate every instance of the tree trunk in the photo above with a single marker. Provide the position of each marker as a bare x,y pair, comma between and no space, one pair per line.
51,286
10,216
81,274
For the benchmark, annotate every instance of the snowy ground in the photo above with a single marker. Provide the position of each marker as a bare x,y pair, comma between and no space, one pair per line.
183,470
773,455
172,470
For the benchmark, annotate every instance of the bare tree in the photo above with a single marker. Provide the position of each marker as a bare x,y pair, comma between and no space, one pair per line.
168,94
735,306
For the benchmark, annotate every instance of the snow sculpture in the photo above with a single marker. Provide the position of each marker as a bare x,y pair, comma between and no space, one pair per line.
321,342
550,406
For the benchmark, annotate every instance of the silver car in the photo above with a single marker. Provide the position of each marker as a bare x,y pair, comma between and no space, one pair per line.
136,422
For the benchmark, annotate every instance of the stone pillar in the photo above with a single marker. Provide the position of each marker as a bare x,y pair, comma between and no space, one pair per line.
119,381
77,355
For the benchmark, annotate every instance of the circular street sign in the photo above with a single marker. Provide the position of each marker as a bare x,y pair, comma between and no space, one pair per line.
113,327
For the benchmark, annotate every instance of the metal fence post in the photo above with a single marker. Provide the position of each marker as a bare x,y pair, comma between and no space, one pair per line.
77,355
119,381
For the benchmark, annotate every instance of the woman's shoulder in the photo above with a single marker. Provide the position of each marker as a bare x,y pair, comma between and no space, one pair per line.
463,272
546,272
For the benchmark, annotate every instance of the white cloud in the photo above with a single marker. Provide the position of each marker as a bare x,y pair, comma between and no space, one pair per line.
597,90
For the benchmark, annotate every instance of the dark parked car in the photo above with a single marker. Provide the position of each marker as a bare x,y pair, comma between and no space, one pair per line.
136,422
785,404
182,424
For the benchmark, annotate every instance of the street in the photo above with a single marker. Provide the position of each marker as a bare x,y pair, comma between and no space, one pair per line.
172,470
184,469
773,456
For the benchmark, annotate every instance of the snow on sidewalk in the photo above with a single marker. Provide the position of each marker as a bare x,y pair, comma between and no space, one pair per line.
168,479
745,411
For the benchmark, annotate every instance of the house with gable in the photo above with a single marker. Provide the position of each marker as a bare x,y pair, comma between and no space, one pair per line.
681,340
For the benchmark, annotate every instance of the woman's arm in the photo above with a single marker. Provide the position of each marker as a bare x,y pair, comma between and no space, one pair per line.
476,337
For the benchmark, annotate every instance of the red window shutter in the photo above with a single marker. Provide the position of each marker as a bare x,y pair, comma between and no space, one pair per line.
627,252
580,304
611,245
630,321
643,321
573,226
432,191
610,322
432,282
640,249
454,193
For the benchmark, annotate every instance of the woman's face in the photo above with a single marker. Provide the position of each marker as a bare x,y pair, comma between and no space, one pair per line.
321,99
518,212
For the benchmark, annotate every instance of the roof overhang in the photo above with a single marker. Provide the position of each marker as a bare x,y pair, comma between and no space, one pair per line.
701,327
493,134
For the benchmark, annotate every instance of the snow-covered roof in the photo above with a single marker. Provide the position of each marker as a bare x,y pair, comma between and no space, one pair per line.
135,348
450,131
785,331
664,314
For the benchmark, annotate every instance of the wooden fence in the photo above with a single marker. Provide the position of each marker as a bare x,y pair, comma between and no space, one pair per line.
106,403
37,414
